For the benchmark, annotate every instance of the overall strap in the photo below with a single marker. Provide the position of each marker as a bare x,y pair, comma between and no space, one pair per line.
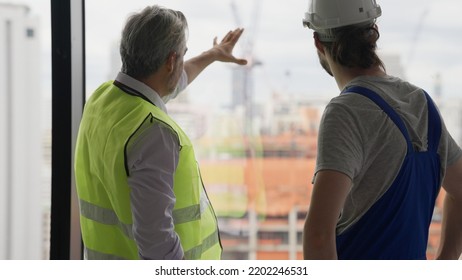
434,125
386,108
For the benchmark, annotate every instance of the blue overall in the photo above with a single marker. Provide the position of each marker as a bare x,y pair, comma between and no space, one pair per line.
396,226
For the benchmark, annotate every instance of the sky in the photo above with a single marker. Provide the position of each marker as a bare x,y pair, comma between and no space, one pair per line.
426,34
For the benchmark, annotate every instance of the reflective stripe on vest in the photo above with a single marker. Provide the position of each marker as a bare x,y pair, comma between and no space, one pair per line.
191,213
109,217
104,216
89,254
207,243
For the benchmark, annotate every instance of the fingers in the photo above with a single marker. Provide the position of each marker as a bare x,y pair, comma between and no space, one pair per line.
225,48
233,36
240,61
227,36
237,34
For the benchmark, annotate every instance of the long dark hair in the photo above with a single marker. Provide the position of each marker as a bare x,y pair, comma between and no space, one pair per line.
355,46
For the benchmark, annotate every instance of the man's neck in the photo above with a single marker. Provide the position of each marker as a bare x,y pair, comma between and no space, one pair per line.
155,82
344,75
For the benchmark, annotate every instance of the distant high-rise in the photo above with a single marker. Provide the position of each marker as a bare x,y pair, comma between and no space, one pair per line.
20,138
114,60
393,65
242,94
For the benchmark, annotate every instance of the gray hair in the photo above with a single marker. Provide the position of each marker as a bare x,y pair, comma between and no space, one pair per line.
149,37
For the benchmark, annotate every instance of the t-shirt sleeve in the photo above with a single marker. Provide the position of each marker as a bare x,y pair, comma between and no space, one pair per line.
454,151
448,147
339,141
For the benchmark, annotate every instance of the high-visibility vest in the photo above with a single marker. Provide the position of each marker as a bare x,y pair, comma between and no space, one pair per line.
110,119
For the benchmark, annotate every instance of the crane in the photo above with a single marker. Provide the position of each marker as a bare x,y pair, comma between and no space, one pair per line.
242,97
242,77
416,37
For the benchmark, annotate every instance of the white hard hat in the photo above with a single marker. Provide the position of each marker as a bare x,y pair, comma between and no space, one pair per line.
323,15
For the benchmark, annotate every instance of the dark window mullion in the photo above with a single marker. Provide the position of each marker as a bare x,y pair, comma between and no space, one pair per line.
67,27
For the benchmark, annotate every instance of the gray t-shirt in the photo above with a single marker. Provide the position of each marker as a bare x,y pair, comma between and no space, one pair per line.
358,139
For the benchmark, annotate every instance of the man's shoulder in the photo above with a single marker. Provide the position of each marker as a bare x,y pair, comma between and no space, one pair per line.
152,133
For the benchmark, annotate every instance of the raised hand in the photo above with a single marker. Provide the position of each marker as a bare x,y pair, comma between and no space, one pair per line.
223,51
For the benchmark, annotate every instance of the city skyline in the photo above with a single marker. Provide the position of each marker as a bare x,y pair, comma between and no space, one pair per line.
422,33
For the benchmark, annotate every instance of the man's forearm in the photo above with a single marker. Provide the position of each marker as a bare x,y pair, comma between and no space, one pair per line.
196,65
318,247
451,232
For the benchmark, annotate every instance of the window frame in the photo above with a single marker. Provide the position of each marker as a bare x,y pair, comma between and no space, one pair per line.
68,98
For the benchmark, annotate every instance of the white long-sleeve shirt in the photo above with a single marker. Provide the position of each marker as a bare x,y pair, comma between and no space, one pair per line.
152,159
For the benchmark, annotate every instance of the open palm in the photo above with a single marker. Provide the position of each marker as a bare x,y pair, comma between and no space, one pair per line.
224,49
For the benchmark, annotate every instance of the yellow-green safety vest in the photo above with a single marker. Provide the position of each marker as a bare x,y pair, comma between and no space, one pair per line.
111,118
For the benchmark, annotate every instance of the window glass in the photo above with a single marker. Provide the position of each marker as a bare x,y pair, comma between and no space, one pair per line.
255,128
256,153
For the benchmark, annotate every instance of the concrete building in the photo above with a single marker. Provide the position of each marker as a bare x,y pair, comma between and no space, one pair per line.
20,138
393,64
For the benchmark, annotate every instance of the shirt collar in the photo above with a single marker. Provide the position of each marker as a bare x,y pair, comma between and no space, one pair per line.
142,88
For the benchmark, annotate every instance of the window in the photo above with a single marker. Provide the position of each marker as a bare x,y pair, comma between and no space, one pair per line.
255,128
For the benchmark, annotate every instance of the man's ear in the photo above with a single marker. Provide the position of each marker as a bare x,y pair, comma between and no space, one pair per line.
317,43
171,61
